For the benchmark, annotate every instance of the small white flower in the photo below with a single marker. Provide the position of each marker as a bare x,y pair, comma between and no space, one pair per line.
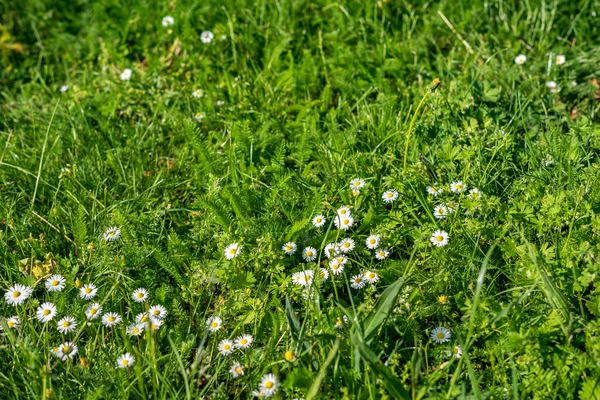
136,329
560,59
372,242
324,274
168,21
440,335
456,351
155,323
214,324
555,90
199,116
289,248
111,319
573,83
381,254
233,250
457,187
346,245
309,254
303,278
225,347
371,277
126,74
474,194
66,351
139,295
336,268
341,321
551,84
206,37
548,160
88,292
244,341
112,233
17,294
126,360
344,211
64,88
358,282
46,312
197,93
158,311
340,259
357,184
440,211
331,250
520,59
236,369
93,311
389,196
343,223
434,191
13,322
66,324
55,283
142,318
268,384
318,221
439,238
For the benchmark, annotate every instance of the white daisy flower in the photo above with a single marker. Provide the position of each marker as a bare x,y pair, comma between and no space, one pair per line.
440,335
93,311
66,324
457,187
233,250
135,329
236,369
451,206
340,259
66,351
168,21
440,211
343,223
520,59
344,211
474,194
199,116
55,283
358,282
456,352
336,268
112,234
303,278
111,319
381,254
244,341
555,90
46,312
560,59
139,295
371,277
155,323
206,37
341,321
331,250
17,294
346,245
551,84
318,221
372,242
214,324
158,311
324,274
434,191
13,322
573,83
389,196
357,184
439,238
289,248
88,292
125,361
548,160
258,393
309,254
225,347
64,88
268,384
126,74
142,318
197,93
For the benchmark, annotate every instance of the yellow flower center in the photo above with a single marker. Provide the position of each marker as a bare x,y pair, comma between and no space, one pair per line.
54,283
125,362
66,324
347,244
440,335
88,290
238,370
372,241
232,251
443,299
140,295
371,275
269,385
66,349
309,254
214,325
357,280
10,324
110,319
226,346
16,294
458,186
93,311
136,330
455,350
319,220
343,212
439,238
390,195
155,312
46,311
288,247
243,341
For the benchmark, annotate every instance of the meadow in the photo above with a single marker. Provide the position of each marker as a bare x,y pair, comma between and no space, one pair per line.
299,199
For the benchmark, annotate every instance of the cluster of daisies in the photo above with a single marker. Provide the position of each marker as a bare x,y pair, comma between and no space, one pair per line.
552,86
268,384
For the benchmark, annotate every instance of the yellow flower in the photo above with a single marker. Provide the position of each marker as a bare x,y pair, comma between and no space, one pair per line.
443,299
77,283
289,356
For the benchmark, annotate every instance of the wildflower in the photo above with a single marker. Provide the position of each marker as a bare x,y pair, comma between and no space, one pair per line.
548,160
381,254
67,324
199,116
389,196
135,329
440,335
560,59
309,254
225,347
66,351
341,259
331,250
371,277
344,211
439,238
233,250
168,21
336,268
197,93
13,322
551,84
355,192
456,351
318,221
457,187
520,59
126,74
236,369
303,278
474,194
289,356
443,299
259,394
440,211
142,317
158,311
17,294
434,191
214,324
155,323
139,295
46,312
451,206
372,242
55,283
244,341
206,37
111,319
343,223
289,248
268,384
93,311
555,90
125,361
357,184
112,234
357,282
346,245
64,88
324,274
573,83
88,292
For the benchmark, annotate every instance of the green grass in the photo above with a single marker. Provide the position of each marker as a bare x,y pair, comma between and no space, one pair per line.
314,94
